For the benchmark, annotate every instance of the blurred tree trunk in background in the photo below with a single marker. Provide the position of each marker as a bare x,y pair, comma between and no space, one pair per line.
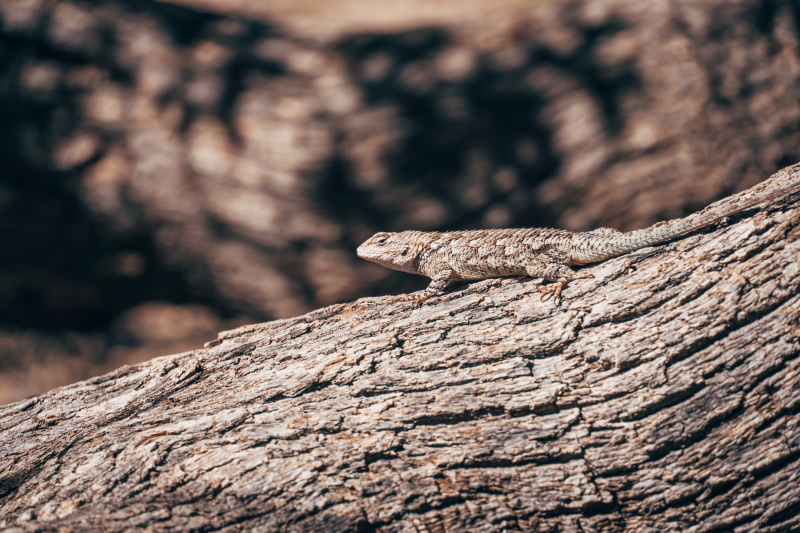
155,153
662,395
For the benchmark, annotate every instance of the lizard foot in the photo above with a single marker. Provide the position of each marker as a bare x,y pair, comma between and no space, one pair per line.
555,288
410,298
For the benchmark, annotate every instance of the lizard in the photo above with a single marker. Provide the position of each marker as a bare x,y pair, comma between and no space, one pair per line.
548,254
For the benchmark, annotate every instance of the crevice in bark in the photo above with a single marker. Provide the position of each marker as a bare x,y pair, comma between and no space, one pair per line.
457,418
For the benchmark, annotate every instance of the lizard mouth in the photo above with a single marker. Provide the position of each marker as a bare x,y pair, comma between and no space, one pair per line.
361,252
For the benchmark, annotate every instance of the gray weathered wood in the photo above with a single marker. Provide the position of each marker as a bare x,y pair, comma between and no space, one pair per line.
662,395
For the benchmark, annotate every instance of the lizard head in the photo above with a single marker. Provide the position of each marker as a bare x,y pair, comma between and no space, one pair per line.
397,251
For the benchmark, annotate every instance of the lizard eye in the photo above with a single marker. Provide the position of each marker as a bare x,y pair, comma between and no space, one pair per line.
380,241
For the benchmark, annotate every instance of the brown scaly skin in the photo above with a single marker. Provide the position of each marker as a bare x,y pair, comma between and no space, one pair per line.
548,254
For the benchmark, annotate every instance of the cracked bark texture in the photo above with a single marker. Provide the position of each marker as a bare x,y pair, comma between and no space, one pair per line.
662,395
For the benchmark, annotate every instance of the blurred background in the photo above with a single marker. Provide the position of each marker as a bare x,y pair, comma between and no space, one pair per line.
170,170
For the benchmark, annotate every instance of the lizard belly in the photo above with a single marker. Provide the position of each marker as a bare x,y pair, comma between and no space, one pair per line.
471,255
486,270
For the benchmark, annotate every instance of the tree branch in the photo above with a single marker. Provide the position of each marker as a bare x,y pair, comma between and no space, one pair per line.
662,394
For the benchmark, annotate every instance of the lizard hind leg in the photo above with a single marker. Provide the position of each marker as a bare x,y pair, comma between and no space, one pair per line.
560,275
558,285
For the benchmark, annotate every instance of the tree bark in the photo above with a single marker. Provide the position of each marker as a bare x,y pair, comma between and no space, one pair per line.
661,395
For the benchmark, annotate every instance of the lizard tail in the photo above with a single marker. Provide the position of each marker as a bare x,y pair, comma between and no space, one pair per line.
596,250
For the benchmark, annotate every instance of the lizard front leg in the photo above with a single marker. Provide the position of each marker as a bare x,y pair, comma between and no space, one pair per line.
439,281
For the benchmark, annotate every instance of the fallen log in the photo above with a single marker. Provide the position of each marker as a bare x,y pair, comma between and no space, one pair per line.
661,394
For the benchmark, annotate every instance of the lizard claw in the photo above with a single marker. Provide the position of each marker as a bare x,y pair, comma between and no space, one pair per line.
409,298
555,288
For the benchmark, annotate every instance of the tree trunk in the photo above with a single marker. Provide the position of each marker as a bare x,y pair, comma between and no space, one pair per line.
662,394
